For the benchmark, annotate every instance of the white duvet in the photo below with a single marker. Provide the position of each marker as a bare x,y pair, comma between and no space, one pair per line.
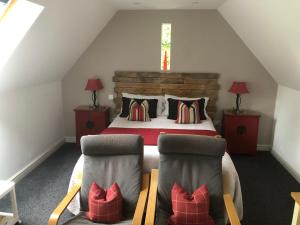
231,182
163,123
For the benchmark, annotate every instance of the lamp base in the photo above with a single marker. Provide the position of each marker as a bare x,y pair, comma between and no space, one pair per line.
239,111
238,101
94,107
94,99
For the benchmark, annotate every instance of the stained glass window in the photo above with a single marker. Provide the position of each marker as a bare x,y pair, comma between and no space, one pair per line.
165,47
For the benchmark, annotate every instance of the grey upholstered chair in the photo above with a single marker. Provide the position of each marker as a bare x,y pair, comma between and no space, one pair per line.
189,160
108,159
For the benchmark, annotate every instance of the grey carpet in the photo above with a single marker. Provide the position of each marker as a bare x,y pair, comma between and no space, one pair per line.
266,188
265,184
40,192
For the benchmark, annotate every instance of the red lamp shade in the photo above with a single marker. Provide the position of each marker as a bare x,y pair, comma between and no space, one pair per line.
239,88
93,85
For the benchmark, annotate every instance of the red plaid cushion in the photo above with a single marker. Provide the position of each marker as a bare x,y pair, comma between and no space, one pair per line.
105,206
190,210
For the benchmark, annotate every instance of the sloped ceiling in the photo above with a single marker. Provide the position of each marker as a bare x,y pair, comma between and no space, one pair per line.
64,30
56,40
271,30
167,4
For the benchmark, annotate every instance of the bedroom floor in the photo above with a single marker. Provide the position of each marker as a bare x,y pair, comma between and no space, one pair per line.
266,188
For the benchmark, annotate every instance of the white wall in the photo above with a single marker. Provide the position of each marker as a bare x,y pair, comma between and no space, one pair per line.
286,145
31,124
202,41
31,114
270,28
55,41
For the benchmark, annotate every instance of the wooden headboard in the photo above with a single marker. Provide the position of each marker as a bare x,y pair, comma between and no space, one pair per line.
159,83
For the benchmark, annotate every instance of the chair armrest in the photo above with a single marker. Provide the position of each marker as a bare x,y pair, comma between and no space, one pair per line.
151,206
296,213
231,211
141,203
53,220
296,197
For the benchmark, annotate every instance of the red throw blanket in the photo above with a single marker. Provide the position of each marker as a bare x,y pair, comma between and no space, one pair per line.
151,135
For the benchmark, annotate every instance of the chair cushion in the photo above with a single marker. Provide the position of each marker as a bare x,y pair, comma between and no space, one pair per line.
191,161
105,206
112,144
191,144
162,218
190,210
126,170
81,220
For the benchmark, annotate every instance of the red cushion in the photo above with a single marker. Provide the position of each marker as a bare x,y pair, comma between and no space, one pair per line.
105,206
190,210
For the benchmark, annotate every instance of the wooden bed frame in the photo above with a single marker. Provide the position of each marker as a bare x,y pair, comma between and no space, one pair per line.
159,83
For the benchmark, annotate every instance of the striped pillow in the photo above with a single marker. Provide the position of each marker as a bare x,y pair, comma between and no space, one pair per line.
188,114
138,111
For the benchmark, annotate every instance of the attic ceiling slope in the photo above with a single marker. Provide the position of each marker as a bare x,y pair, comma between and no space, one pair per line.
166,4
271,31
54,43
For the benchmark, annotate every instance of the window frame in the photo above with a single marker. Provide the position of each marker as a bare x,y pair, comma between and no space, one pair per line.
162,55
9,7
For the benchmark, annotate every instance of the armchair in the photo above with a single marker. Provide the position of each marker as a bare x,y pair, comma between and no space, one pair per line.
189,161
108,159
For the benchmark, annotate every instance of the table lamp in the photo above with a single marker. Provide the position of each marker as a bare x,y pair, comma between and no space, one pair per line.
238,88
94,85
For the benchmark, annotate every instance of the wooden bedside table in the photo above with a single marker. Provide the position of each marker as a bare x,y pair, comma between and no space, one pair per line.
90,121
241,131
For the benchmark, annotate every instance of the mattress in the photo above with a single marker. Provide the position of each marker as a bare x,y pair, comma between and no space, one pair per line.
231,182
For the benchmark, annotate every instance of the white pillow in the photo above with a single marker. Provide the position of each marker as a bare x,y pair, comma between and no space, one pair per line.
160,100
166,111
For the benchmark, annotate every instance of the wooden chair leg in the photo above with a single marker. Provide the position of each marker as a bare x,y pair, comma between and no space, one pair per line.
296,215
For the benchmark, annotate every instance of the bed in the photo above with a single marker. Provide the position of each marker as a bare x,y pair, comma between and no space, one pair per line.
185,85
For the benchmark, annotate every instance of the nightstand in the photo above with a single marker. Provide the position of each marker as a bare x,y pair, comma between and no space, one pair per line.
90,121
241,131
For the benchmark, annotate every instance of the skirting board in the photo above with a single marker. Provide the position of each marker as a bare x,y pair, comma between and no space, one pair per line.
70,139
37,161
259,147
286,165
263,147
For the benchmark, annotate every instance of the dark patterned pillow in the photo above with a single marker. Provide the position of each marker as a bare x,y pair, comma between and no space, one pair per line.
188,114
151,102
138,111
125,107
173,107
